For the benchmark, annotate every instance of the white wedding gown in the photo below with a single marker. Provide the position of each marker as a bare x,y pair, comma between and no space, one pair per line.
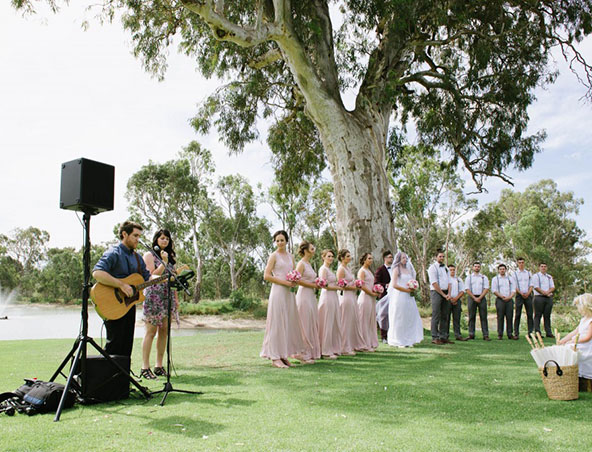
405,327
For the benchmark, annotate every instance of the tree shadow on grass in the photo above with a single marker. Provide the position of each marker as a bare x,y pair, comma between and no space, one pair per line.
480,388
182,425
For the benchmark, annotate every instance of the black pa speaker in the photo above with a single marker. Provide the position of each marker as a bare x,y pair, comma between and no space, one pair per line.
87,186
104,381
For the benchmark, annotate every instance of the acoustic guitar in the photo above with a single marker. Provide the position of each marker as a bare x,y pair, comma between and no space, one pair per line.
112,304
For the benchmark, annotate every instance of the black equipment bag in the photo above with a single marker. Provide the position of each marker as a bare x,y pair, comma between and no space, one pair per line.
37,396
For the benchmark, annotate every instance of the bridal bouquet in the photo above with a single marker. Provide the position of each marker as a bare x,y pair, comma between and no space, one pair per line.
358,283
413,284
321,282
293,276
378,289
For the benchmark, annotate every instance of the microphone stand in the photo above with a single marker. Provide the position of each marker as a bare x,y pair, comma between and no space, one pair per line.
168,387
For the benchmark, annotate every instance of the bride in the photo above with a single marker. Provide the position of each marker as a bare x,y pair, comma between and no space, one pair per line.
405,327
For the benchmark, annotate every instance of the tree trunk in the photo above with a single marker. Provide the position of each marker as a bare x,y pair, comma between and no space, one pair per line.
198,269
233,276
356,154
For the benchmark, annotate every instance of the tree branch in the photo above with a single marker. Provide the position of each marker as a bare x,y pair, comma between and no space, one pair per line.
225,30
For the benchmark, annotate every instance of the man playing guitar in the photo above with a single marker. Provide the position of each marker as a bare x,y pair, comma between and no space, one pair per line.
116,263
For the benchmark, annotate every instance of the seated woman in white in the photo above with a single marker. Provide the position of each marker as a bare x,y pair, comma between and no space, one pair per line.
584,329
405,327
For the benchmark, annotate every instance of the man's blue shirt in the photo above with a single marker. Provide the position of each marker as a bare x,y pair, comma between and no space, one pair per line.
120,261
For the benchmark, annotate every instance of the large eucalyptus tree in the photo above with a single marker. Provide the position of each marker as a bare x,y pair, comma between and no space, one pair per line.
462,71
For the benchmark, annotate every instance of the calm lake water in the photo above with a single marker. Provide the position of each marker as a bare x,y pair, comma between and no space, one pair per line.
57,322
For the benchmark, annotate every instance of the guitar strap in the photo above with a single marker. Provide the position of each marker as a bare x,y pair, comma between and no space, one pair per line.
138,261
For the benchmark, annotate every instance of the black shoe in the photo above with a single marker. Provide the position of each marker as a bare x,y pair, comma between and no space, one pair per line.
551,336
471,338
462,339
500,337
147,374
160,371
486,338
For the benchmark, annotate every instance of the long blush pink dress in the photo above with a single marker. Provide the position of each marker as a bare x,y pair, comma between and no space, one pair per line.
306,301
329,316
283,331
351,339
367,313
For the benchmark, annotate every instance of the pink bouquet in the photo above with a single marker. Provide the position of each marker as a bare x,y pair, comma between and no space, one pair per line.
358,283
342,283
413,284
293,276
378,289
321,282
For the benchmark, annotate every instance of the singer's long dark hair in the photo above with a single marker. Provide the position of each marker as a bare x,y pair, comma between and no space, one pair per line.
169,249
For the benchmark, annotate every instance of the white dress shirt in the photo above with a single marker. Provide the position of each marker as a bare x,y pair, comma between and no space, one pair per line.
542,281
456,286
503,285
438,274
476,283
523,280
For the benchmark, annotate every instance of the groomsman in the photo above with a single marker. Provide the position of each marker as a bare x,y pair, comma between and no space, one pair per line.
504,289
477,286
456,290
543,300
523,284
383,277
439,281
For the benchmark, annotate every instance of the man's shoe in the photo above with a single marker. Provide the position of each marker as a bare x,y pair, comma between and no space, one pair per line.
462,339
551,336
515,337
447,341
486,338
437,342
471,338
500,337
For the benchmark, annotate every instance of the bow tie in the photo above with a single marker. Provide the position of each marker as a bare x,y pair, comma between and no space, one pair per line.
388,268
442,265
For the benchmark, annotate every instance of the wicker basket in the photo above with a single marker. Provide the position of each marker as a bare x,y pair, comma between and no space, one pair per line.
561,383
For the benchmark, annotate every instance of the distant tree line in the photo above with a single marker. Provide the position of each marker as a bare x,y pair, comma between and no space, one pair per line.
219,229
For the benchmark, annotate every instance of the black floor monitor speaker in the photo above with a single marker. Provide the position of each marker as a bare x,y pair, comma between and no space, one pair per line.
105,382
87,186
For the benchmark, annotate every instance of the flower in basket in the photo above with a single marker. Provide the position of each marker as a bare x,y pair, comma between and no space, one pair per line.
342,283
321,282
293,276
378,289
358,283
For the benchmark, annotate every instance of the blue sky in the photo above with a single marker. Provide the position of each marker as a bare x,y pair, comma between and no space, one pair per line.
66,93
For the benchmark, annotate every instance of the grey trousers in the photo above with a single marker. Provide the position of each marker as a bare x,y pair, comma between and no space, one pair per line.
528,306
472,307
440,316
504,311
455,313
542,308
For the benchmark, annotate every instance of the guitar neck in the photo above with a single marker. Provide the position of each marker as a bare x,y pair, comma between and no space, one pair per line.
151,282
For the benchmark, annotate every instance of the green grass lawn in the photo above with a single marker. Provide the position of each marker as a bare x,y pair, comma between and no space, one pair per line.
472,396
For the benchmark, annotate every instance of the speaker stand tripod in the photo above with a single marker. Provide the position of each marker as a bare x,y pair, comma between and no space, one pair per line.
78,351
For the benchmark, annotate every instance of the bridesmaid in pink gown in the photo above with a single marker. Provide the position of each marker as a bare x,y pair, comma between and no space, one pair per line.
329,312
367,305
283,331
306,300
351,338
